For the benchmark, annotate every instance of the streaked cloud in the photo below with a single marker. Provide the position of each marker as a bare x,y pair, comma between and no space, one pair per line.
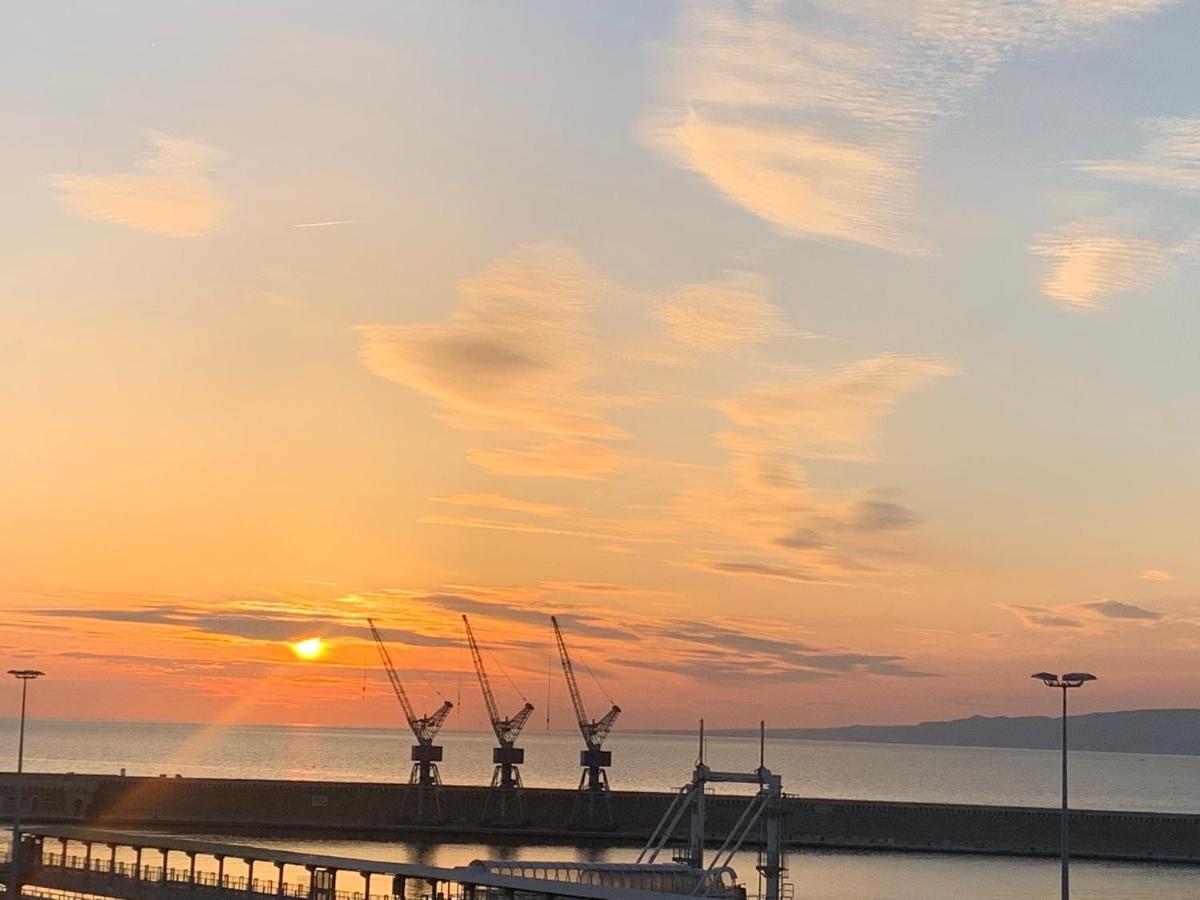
766,570
1089,264
1169,159
1081,616
327,224
1156,575
760,517
880,513
512,504
720,317
831,414
1092,259
820,123
277,299
554,459
711,650
1114,609
517,357
169,193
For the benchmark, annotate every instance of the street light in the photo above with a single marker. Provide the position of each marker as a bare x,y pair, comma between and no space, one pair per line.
14,862
1069,680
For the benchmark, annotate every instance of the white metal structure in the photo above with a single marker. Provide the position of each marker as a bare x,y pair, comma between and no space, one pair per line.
766,805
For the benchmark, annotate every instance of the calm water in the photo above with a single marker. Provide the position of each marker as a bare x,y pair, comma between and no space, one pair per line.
642,761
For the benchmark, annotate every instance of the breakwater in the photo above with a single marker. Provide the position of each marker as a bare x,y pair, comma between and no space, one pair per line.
253,806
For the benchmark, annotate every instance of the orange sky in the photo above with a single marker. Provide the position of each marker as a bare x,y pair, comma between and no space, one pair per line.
793,359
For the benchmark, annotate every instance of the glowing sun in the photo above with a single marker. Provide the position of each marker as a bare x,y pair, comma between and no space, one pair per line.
309,648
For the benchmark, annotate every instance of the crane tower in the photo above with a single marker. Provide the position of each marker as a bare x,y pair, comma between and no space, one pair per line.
593,807
425,753
506,777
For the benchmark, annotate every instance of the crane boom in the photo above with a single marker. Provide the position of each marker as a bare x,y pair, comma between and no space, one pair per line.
506,730
593,732
581,715
425,728
489,698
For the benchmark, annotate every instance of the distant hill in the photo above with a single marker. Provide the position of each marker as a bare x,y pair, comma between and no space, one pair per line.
1174,731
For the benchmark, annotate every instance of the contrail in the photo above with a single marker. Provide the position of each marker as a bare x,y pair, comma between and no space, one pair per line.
323,224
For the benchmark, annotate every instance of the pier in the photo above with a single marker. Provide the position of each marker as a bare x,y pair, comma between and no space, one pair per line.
316,808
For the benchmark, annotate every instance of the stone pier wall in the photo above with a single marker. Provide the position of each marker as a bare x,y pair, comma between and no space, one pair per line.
466,813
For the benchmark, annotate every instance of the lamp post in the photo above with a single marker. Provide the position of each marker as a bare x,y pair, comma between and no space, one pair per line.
1069,680
14,877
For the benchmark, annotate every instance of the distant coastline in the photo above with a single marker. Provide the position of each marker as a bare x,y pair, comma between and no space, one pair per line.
1158,731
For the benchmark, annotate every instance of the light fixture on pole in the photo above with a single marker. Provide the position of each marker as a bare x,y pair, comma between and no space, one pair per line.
14,877
1069,680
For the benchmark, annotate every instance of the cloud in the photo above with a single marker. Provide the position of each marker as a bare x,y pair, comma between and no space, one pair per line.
1169,159
709,650
820,124
1079,616
1156,575
830,414
1041,617
554,459
528,359
761,518
600,587
516,357
257,624
1092,259
1089,264
277,299
1114,609
765,570
502,502
169,193
878,514
719,317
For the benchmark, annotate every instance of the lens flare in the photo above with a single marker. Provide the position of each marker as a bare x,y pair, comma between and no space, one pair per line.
309,648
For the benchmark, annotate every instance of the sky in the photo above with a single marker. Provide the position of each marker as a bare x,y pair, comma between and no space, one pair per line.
822,362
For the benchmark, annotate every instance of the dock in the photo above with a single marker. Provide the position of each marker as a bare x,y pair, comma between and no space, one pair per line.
389,811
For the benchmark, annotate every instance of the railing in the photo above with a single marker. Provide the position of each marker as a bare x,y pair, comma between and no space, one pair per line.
182,879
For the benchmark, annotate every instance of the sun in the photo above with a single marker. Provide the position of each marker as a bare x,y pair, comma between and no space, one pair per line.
309,648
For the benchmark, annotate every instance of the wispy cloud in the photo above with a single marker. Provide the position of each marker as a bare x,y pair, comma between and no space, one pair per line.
819,123
1089,263
500,501
760,517
824,414
1114,609
554,459
326,224
1093,259
523,362
1170,157
168,193
516,358
720,317
1081,616
1156,575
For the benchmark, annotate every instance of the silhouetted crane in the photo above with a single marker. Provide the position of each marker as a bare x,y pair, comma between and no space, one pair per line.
506,777
594,780
425,754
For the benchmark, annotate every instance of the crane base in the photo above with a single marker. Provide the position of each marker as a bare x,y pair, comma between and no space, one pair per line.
593,801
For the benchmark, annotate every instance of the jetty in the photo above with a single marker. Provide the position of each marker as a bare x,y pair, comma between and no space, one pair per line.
391,810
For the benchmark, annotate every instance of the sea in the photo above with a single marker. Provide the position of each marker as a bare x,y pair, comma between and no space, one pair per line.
655,761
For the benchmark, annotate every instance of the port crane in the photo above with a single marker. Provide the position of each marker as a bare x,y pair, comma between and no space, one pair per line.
593,782
425,754
506,777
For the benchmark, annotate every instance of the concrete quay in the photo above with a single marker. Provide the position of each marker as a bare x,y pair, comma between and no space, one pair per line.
389,811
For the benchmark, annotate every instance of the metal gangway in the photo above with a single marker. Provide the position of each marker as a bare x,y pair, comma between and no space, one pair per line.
64,862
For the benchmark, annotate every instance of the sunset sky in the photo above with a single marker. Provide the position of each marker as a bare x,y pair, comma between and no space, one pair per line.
828,361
